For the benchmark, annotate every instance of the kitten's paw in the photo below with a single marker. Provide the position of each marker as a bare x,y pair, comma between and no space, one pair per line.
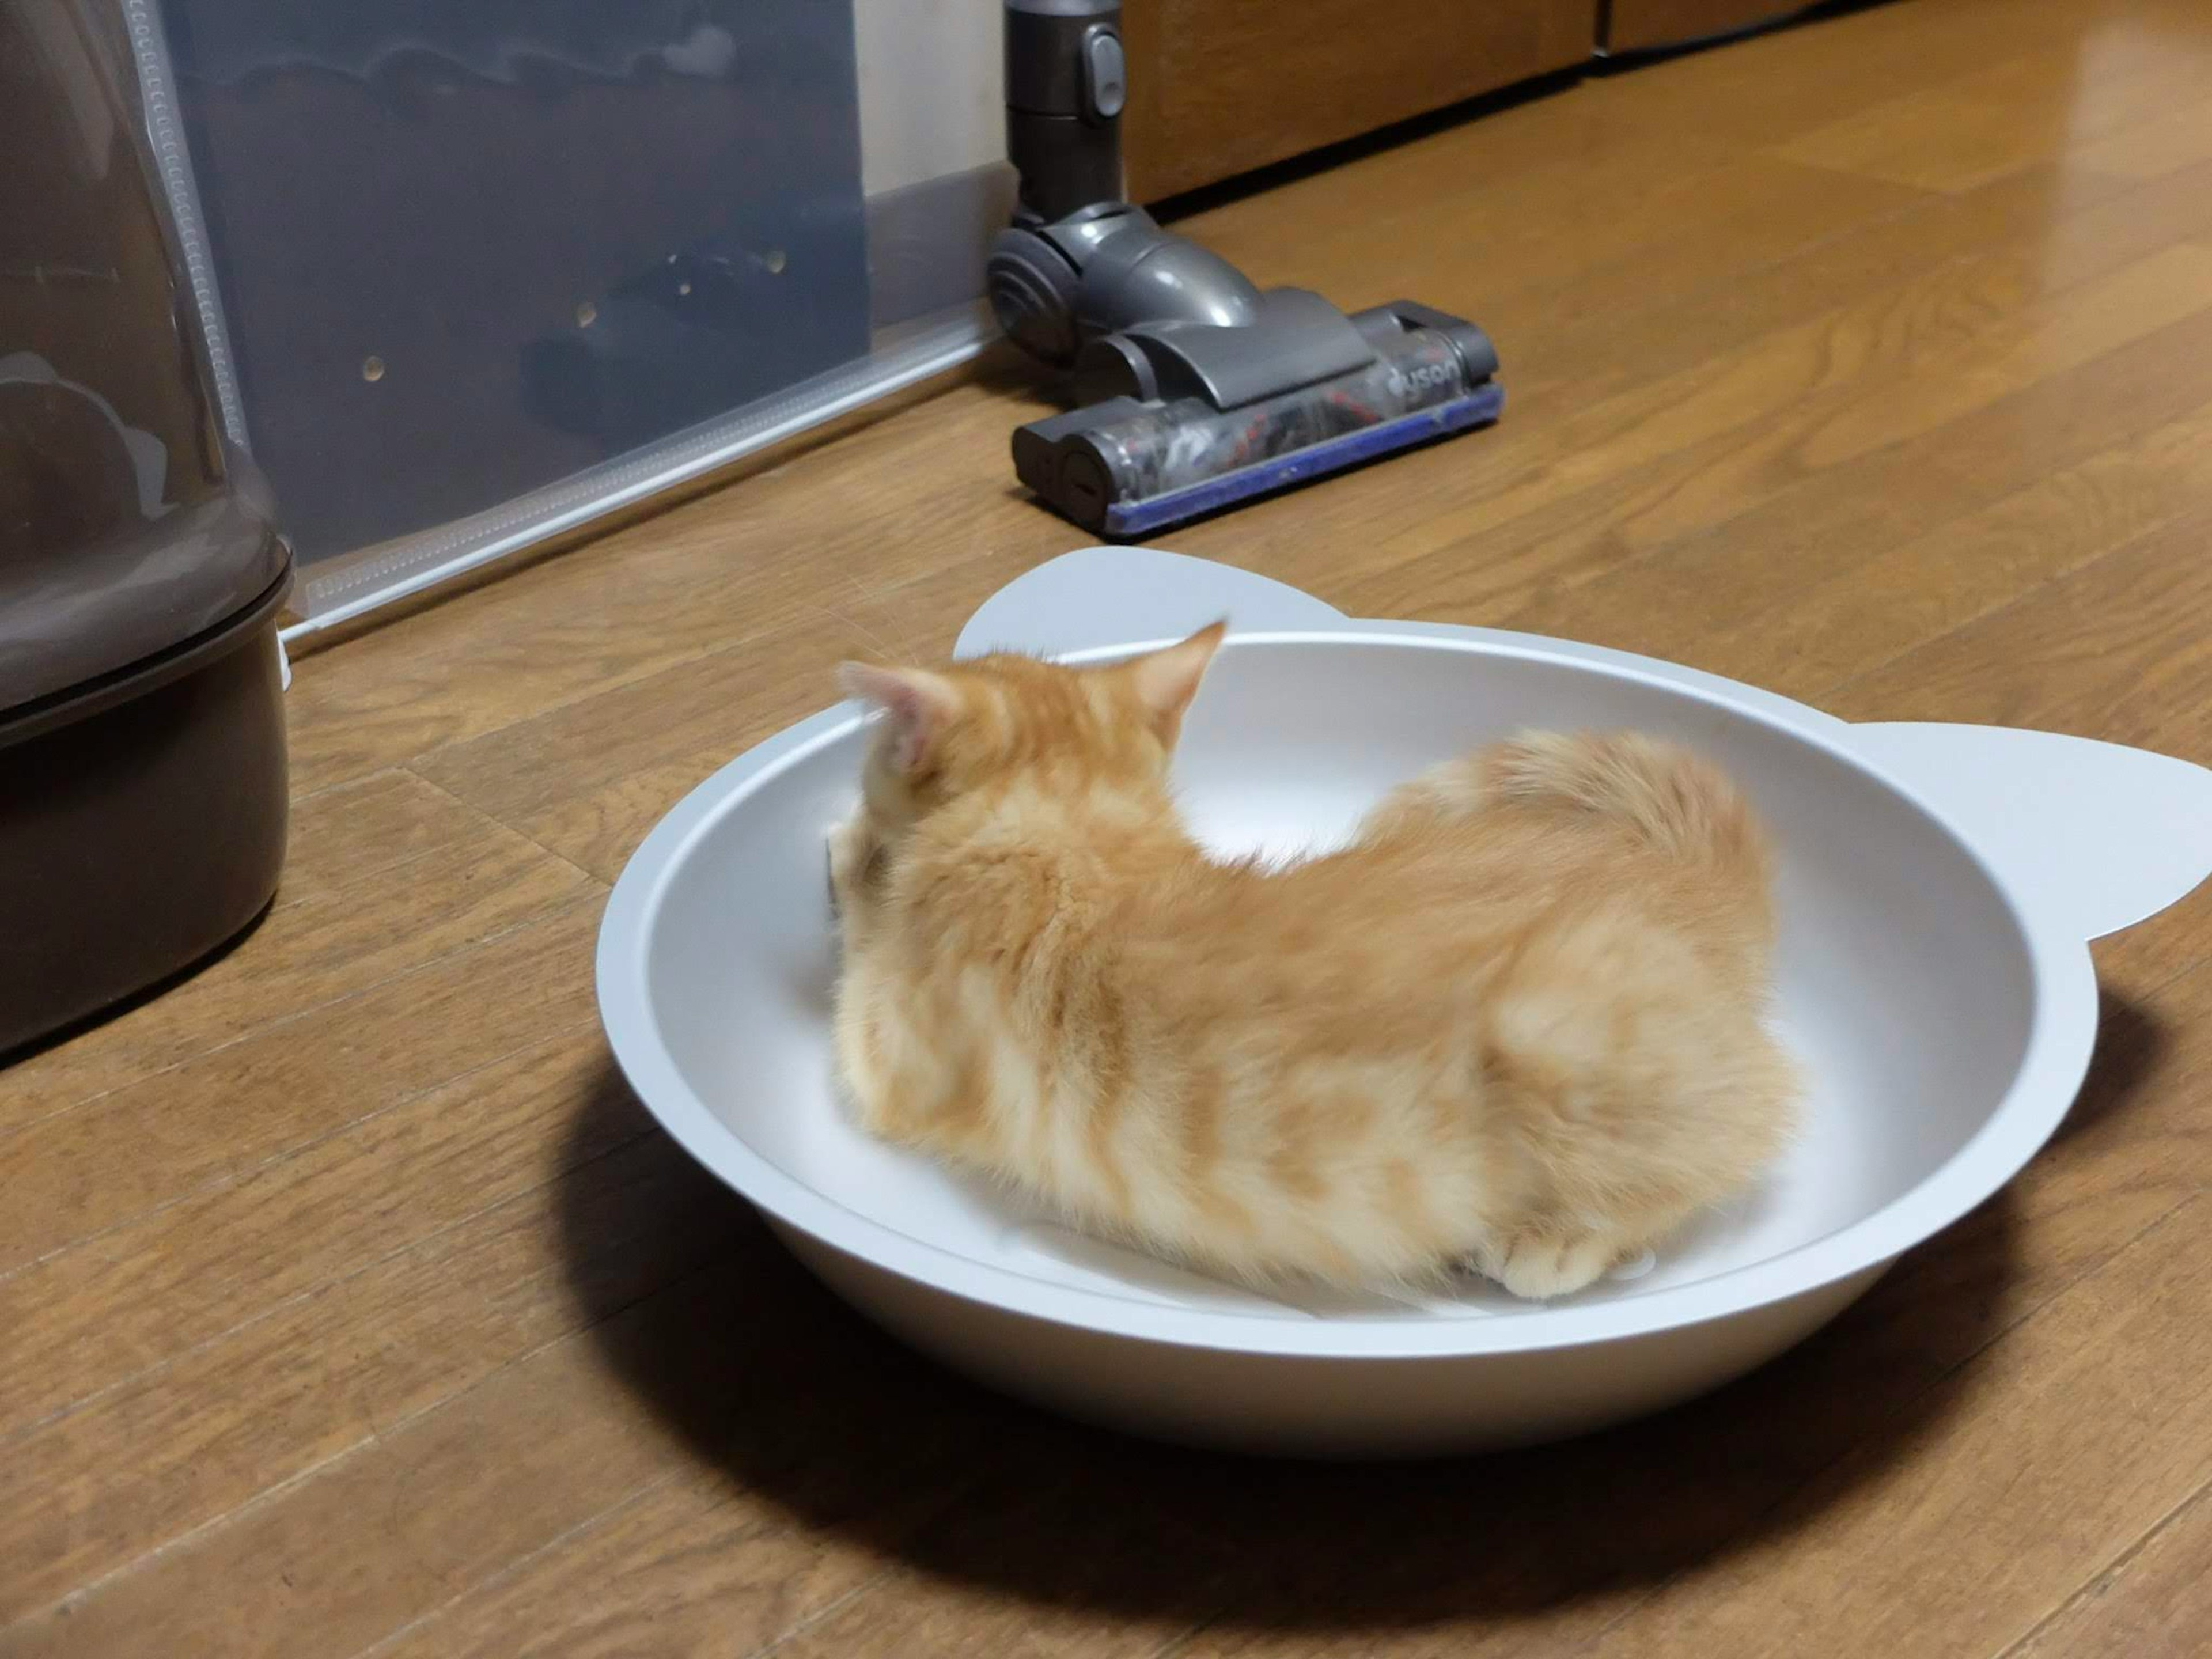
1538,1265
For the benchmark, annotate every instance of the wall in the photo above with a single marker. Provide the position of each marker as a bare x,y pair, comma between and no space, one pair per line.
931,97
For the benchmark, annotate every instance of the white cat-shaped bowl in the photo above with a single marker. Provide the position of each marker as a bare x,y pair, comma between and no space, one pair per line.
1940,886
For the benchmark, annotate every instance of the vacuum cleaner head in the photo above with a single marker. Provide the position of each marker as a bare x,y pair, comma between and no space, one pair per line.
1132,464
1196,391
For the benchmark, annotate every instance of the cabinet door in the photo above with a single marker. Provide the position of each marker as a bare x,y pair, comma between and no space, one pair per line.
1220,87
1637,25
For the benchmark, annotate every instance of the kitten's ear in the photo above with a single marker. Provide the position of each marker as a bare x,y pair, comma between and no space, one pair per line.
919,705
1167,680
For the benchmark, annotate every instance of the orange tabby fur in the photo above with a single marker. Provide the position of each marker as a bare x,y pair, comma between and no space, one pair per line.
1516,1023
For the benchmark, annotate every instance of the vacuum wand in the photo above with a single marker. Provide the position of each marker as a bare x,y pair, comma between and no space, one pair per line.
1066,82
1196,391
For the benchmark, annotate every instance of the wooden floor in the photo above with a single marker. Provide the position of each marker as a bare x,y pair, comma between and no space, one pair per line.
349,1306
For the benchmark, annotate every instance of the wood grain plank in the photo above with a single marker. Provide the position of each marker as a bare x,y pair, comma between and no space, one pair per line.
1549,501
340,1378
1530,251
2155,146
706,1572
1643,382
1858,302
559,1423
708,574
2060,225
341,836
88,1319
1823,483
1846,621
1750,404
2119,650
287,1551
817,1457
441,875
2154,1600
1760,212
1069,1563
1739,521
2021,111
2010,1494
589,779
218,1117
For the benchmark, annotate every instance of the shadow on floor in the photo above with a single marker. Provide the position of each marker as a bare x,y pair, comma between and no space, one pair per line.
763,1373
2130,1044
108,1014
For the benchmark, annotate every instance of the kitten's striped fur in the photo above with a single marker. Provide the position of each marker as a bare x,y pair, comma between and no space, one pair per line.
1517,1024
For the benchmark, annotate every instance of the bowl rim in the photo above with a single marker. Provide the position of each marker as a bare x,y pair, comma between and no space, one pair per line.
2062,1016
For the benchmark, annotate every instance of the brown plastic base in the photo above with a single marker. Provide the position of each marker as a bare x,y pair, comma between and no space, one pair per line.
138,838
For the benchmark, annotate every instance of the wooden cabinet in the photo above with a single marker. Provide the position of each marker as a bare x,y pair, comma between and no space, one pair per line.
1220,87
1638,24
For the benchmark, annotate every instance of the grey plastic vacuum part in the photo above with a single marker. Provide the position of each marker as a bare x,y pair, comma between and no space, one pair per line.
1066,82
1096,288
1079,261
143,787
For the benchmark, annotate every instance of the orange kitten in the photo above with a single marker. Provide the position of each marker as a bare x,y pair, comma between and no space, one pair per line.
1517,1024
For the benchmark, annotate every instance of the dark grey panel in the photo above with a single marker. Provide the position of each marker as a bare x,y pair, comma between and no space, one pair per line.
469,247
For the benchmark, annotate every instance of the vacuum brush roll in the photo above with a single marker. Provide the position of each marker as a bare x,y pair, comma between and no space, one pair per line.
1125,467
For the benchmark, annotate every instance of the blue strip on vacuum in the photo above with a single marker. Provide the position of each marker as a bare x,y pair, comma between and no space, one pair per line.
1131,520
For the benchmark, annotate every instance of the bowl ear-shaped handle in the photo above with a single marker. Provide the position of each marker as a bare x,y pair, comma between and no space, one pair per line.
1102,596
2094,834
